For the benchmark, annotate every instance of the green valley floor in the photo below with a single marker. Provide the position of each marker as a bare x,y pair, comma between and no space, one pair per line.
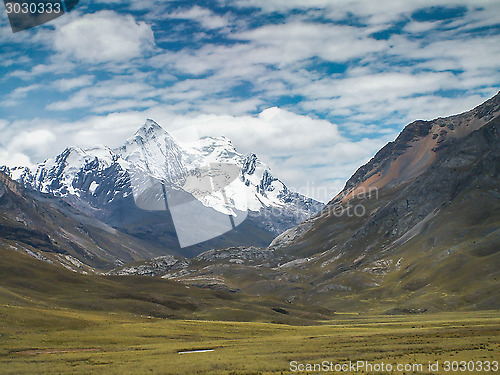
56,340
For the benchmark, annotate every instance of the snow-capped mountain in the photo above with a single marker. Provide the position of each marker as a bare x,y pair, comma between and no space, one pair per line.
101,177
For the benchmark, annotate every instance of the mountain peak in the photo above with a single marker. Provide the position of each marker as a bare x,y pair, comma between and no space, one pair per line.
72,151
150,128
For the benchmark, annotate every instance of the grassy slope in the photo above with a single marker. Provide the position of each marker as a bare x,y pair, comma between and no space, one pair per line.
452,264
26,282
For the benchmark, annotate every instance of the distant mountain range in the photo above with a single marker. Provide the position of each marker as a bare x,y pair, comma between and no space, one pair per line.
416,229
97,182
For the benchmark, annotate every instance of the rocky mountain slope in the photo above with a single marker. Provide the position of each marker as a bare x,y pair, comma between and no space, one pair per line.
396,190
419,223
416,148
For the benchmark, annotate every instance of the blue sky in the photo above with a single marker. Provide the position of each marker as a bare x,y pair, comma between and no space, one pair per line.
313,87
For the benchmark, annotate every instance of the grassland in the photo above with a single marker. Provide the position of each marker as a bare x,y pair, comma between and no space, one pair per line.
41,340
60,322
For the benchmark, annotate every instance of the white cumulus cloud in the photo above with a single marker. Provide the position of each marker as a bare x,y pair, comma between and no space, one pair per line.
105,36
205,17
